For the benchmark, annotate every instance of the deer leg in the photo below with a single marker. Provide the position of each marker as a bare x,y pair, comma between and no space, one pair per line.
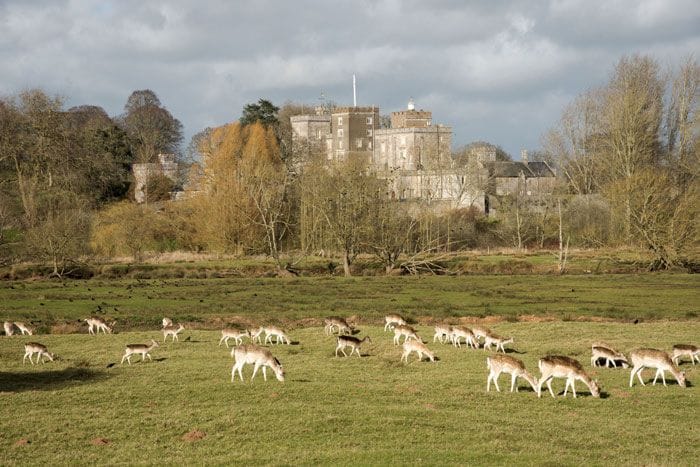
264,368
513,378
255,370
549,385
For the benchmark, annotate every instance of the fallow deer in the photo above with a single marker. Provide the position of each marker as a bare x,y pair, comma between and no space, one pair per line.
350,341
279,335
498,364
9,328
610,355
481,332
32,348
406,331
97,324
462,332
417,347
172,331
333,322
236,334
685,350
656,359
24,329
257,356
558,366
392,320
442,333
498,341
167,322
142,349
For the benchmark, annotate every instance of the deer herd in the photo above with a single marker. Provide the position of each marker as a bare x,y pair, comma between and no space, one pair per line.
550,367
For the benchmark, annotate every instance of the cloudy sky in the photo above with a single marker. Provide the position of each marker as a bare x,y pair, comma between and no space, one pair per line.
499,71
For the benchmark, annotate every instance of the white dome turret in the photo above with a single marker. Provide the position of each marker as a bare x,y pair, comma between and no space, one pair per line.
411,105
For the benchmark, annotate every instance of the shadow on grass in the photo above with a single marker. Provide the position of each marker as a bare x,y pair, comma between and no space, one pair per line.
519,352
48,380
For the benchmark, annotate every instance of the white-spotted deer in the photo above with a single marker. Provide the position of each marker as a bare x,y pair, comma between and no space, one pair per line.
406,331
333,322
685,350
655,359
257,356
172,330
24,329
498,364
142,349
32,348
97,325
235,334
610,355
461,332
558,366
442,333
418,347
350,341
392,320
498,341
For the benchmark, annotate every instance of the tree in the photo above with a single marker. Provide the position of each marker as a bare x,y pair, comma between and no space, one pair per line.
151,128
263,112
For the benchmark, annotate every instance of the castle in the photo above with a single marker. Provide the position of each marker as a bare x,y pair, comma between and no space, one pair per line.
414,155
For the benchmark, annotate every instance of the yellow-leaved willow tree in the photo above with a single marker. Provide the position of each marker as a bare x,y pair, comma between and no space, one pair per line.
243,206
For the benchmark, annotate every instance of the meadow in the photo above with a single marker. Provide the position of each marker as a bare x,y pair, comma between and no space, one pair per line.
86,408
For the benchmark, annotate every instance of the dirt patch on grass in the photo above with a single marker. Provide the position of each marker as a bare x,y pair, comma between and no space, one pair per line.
99,441
22,442
194,435
536,319
66,328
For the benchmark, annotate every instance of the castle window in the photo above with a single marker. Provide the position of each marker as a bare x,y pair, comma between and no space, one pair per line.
340,144
340,132
340,120
369,144
358,143
369,132
369,120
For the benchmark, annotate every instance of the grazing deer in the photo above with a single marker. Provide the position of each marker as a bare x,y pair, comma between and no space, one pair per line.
142,349
167,322
256,334
172,331
610,355
498,364
333,322
23,328
350,341
461,332
658,359
685,350
491,339
417,347
442,333
406,331
9,328
279,334
558,366
236,334
392,320
481,332
32,348
257,356
97,324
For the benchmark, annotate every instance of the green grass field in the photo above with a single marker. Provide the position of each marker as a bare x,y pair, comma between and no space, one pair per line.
182,407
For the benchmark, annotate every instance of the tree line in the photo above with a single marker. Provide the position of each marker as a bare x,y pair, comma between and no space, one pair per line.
625,153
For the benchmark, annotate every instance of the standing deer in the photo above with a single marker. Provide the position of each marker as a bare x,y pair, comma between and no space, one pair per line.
142,349
257,356
685,350
279,334
393,320
558,366
172,331
442,333
498,364
333,322
236,334
491,339
97,324
656,359
32,348
23,328
406,331
610,355
481,332
461,332
350,341
417,347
